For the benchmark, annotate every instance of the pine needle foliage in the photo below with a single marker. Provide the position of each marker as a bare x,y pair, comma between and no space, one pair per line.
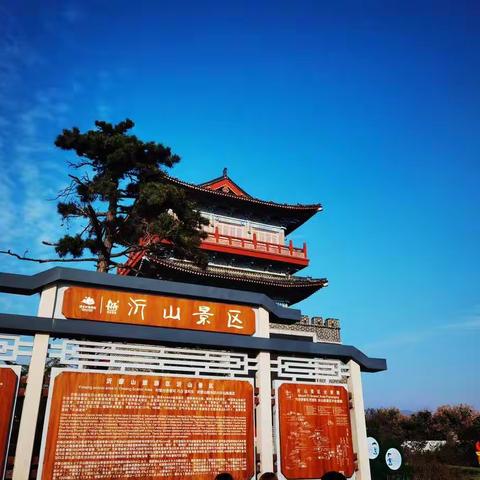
119,199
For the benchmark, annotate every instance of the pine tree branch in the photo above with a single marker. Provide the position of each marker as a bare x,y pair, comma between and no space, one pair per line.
76,179
80,259
79,164
46,260
49,244
125,252
134,191
66,192
98,231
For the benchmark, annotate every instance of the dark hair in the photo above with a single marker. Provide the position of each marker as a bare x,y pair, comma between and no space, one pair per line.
224,476
269,476
334,476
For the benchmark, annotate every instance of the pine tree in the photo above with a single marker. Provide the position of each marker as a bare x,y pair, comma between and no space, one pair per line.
119,198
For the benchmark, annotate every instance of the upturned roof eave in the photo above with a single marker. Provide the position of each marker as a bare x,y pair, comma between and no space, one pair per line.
293,289
299,212
292,282
315,207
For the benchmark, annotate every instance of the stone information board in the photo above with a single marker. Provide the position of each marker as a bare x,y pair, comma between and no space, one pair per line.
8,393
156,310
129,426
315,432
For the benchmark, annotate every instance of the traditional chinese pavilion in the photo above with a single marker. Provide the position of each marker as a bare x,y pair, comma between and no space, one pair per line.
247,244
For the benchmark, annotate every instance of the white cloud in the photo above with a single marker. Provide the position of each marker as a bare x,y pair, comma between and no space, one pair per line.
469,321
466,322
401,339
468,325
37,174
33,170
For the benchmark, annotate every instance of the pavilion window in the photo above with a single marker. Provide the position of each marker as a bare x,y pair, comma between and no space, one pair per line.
231,229
268,236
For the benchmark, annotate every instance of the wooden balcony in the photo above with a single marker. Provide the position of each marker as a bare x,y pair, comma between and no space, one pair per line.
251,247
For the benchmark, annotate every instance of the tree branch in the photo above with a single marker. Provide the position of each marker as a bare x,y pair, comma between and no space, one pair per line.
82,259
46,260
128,250
67,191
49,244
98,230
76,179
79,164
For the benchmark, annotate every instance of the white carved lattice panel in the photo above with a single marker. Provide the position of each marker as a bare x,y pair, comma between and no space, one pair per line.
310,369
130,357
12,347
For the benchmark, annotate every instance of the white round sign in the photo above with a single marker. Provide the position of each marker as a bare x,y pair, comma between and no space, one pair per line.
373,448
393,458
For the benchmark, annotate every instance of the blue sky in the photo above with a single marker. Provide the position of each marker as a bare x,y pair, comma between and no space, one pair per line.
371,108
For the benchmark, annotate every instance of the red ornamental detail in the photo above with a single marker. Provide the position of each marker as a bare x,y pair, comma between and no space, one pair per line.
226,185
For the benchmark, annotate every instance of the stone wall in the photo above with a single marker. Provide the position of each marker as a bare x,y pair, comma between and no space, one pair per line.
327,330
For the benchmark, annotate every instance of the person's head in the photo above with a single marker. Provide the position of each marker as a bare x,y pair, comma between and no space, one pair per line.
268,476
224,476
334,476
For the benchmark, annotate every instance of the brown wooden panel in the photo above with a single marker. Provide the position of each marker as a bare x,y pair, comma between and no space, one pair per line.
159,311
8,392
315,430
105,426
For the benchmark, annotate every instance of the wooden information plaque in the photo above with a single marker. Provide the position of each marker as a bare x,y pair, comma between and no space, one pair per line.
159,311
8,394
315,432
130,426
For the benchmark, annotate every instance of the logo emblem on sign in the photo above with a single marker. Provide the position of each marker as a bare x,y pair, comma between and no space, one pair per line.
87,304
112,307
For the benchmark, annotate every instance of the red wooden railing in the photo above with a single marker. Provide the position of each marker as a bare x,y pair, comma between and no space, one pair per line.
288,251
240,245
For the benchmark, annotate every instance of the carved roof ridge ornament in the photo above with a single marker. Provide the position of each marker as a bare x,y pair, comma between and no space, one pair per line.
225,185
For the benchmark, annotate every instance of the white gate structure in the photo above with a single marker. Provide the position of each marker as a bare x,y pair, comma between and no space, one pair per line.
48,340
150,358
